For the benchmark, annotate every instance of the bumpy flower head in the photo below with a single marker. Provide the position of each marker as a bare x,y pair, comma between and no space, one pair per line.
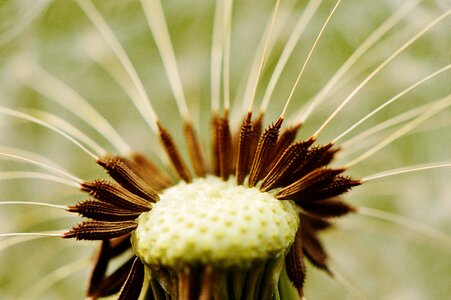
214,222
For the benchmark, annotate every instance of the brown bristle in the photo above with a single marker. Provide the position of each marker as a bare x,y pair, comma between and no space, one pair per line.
264,152
214,130
225,148
112,284
100,230
120,172
286,164
294,263
133,284
328,208
313,249
317,179
102,211
285,139
100,267
243,155
173,154
314,222
149,172
316,157
329,156
108,250
194,150
257,127
115,194
338,186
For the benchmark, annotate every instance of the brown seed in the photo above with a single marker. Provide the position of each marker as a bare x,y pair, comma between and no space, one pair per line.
174,154
243,155
112,193
100,230
295,265
100,267
338,186
214,133
225,148
112,284
294,154
313,249
316,179
102,211
134,282
264,152
314,222
120,172
257,127
285,139
331,207
316,157
149,172
194,150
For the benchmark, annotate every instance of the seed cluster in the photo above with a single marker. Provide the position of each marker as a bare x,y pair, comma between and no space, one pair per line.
292,173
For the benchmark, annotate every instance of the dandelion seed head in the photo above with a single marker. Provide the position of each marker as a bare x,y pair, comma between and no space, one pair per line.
191,226
214,222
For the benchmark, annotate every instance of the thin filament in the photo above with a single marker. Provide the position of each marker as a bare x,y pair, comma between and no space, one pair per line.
298,79
227,47
15,241
263,56
157,24
51,278
380,67
36,175
247,83
52,88
358,53
144,106
216,56
29,155
388,123
71,130
408,223
45,166
34,234
347,285
27,117
293,40
33,203
129,89
403,130
409,169
390,101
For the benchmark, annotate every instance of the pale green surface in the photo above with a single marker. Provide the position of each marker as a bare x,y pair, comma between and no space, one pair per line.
212,222
383,261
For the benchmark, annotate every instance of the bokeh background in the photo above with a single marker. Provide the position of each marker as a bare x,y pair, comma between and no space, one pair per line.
380,259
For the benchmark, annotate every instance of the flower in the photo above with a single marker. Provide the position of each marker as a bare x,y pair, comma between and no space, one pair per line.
190,236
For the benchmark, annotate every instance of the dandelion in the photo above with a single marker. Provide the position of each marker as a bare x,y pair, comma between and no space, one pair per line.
230,177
